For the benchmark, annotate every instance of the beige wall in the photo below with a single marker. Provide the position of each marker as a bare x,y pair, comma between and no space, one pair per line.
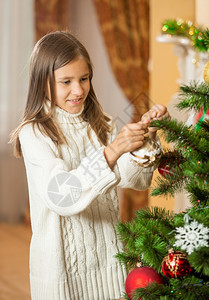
163,63
164,71
202,9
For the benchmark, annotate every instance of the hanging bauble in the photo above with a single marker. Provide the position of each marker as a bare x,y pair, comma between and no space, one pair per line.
140,277
168,160
164,169
147,155
176,265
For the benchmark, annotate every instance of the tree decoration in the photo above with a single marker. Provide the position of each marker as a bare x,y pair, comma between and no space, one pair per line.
187,29
175,264
141,277
147,155
192,236
164,166
164,169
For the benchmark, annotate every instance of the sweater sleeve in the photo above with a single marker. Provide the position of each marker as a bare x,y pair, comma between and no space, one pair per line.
130,173
66,192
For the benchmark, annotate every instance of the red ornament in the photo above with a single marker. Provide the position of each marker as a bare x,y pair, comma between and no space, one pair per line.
176,265
140,277
164,169
168,160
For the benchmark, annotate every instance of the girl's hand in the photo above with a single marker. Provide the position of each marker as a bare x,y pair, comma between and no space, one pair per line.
157,112
130,138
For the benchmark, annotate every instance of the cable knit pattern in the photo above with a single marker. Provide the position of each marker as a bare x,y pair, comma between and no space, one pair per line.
74,212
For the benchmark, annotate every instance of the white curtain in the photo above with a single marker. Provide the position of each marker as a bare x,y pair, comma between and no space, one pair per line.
16,40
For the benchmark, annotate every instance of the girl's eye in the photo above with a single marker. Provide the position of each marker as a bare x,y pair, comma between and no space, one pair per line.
84,78
66,82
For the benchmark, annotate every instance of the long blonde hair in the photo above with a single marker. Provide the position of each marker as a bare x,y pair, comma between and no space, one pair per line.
52,52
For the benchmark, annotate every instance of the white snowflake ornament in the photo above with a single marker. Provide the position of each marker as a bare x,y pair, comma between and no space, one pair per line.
192,236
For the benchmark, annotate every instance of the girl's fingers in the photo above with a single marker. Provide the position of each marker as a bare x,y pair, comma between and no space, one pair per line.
165,116
135,127
137,138
131,137
159,110
129,145
155,114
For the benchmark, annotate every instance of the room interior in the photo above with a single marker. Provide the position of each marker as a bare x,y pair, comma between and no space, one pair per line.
21,25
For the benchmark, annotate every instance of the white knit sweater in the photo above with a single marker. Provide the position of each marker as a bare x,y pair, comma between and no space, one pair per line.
74,211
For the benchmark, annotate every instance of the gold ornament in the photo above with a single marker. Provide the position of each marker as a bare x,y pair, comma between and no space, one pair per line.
175,264
147,155
206,72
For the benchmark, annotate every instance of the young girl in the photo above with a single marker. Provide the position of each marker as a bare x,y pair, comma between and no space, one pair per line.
74,160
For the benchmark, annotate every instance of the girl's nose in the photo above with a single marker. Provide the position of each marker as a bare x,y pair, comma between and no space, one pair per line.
77,89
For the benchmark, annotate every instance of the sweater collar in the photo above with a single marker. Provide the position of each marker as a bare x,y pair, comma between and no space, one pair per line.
65,117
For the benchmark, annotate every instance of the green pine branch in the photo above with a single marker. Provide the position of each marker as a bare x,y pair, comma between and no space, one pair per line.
197,195
199,260
153,248
204,125
201,214
186,138
197,172
170,184
206,38
188,288
190,175
194,96
155,213
146,237
152,291
171,158
128,259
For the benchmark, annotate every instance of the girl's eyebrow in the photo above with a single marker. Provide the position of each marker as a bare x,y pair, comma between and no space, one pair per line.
67,77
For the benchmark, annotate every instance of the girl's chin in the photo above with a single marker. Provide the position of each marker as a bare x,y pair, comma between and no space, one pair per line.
71,107
74,109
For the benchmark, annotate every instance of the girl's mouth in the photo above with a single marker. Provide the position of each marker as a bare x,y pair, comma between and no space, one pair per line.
75,100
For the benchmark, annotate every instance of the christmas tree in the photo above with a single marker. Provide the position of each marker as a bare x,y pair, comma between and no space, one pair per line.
173,248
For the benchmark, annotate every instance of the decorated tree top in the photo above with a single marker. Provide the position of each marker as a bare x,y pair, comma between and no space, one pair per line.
178,27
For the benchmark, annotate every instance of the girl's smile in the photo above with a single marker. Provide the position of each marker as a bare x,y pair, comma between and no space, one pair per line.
72,85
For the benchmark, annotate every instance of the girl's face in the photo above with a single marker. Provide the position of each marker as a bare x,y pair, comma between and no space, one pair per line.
72,85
